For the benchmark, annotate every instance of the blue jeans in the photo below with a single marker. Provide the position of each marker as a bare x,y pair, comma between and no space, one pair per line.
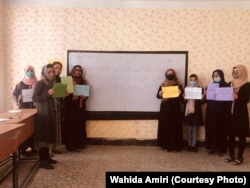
192,132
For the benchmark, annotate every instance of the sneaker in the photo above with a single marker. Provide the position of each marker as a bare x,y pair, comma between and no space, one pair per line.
45,165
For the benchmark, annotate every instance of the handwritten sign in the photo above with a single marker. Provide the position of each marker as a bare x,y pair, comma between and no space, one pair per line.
170,91
224,94
193,93
211,91
81,90
59,90
69,82
27,95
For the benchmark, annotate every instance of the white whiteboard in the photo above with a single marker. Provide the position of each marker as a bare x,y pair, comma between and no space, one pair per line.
126,81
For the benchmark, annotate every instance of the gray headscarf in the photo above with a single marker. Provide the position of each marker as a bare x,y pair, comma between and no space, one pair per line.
45,75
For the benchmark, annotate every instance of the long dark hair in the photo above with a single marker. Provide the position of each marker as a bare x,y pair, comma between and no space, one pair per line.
57,77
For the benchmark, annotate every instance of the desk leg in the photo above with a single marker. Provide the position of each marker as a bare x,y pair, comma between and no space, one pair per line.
15,170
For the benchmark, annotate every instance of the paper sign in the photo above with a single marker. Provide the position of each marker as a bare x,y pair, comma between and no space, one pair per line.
224,94
211,91
193,93
14,111
3,119
69,82
59,90
27,95
81,90
170,91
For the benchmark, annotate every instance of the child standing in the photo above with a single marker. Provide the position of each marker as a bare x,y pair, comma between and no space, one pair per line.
193,116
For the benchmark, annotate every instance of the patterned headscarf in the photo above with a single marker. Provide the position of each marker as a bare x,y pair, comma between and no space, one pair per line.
45,75
29,81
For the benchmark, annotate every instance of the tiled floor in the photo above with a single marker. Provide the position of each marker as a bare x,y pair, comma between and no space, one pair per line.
87,168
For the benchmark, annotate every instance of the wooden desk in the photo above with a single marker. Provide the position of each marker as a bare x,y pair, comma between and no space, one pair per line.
11,135
13,132
24,116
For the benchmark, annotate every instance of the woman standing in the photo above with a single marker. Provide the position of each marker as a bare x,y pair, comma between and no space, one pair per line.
169,135
76,113
59,110
28,82
216,119
45,123
240,119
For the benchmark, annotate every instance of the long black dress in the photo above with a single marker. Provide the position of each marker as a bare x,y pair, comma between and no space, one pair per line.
240,117
169,135
239,126
217,120
76,137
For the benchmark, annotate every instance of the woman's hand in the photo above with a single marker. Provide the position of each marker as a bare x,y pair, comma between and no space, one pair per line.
235,96
75,97
83,97
20,98
160,93
51,91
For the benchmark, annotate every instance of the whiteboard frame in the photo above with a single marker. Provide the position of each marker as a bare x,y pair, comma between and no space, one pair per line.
125,115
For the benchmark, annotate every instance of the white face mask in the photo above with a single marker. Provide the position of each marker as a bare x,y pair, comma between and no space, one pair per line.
217,79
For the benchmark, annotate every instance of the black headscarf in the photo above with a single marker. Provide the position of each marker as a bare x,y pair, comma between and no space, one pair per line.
222,83
78,79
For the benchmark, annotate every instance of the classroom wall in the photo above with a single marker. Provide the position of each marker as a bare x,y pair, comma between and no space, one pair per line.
2,64
215,38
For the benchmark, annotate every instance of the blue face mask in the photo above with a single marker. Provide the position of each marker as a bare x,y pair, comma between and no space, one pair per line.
192,83
30,74
217,79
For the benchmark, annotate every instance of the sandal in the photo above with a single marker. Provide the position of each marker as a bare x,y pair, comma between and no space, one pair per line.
237,161
229,159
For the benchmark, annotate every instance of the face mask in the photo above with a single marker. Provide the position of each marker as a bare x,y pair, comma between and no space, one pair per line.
217,79
235,76
192,83
170,76
30,74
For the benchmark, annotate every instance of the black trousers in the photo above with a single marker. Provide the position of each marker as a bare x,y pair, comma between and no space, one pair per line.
44,154
241,146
